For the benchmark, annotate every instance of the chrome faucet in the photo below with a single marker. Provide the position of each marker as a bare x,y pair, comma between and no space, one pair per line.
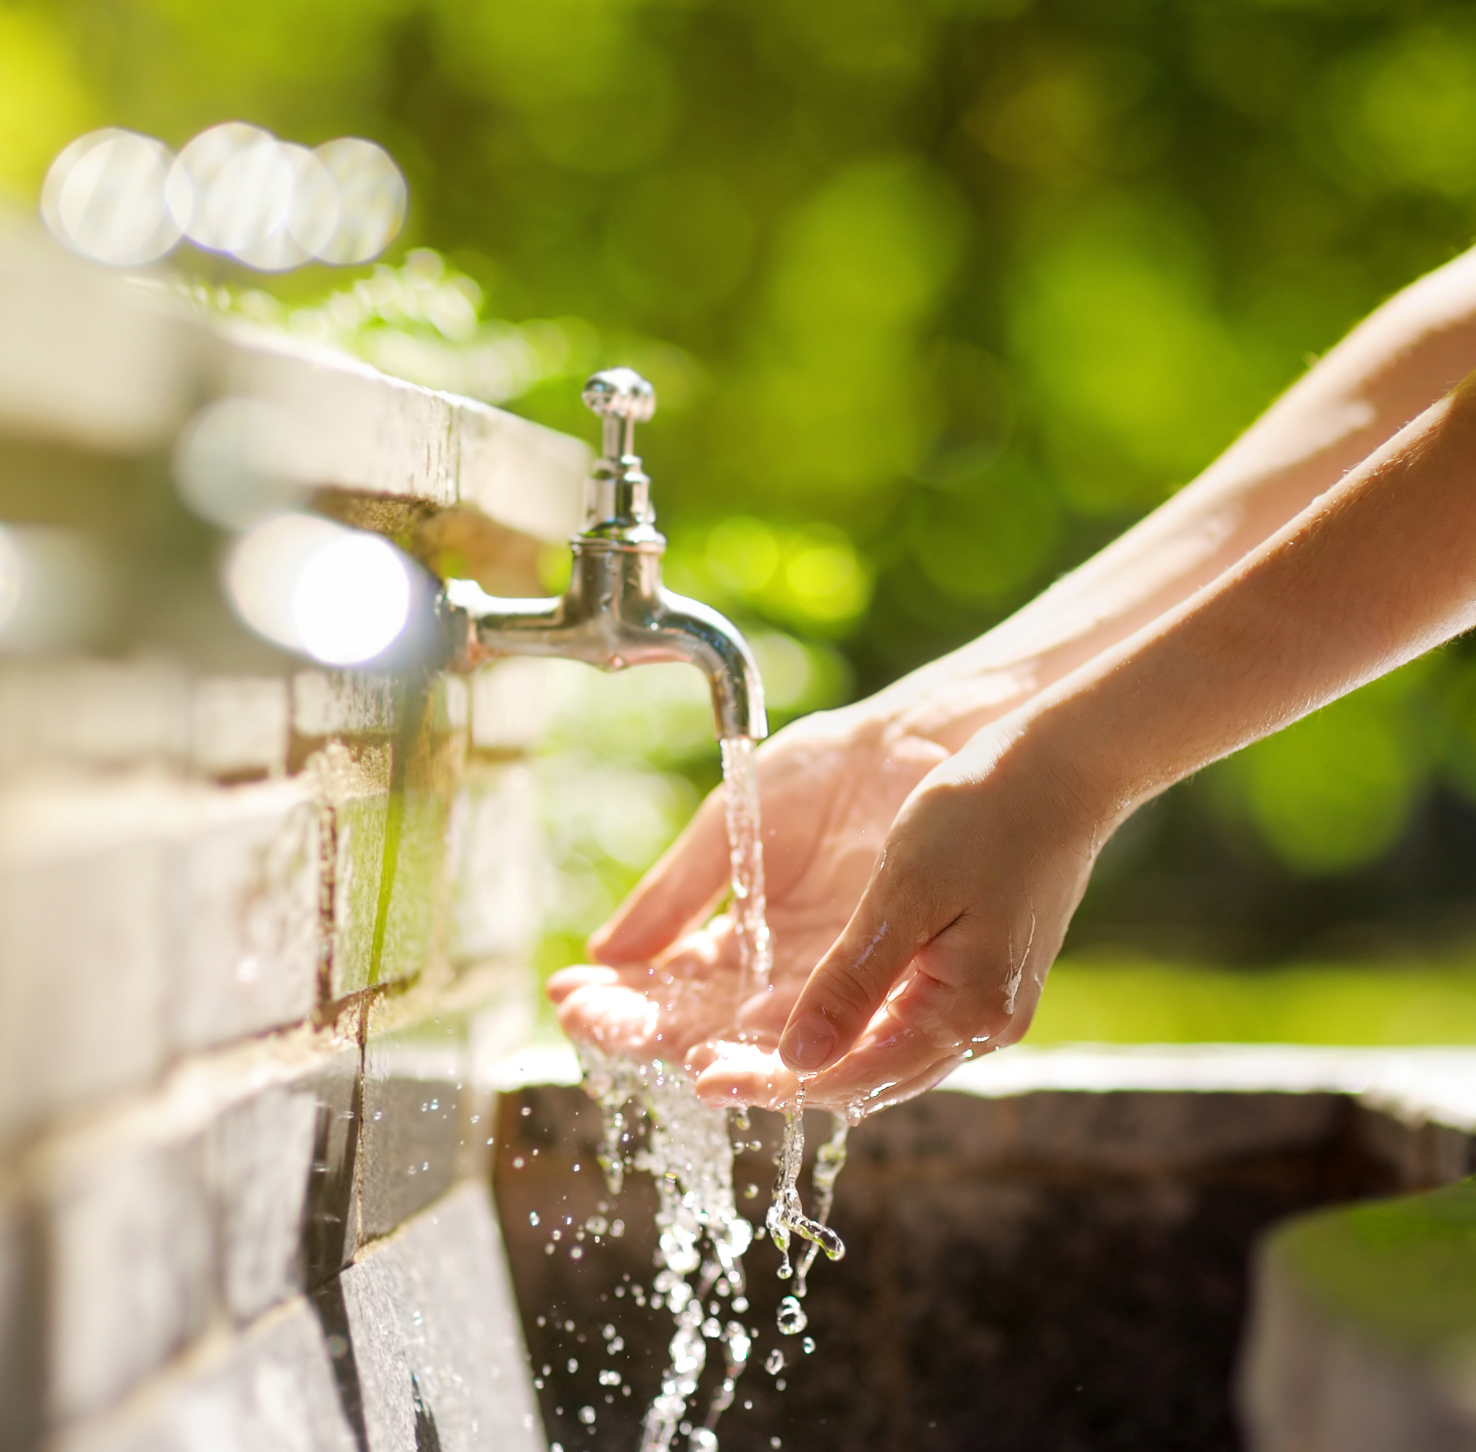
616,612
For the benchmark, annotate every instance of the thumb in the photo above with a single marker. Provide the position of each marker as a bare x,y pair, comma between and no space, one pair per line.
679,891
900,911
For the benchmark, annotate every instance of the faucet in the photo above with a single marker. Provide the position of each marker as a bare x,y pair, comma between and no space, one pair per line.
616,612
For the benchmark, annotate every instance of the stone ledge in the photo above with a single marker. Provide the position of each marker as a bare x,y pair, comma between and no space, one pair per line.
200,1205
273,1390
141,918
1363,1334
115,366
415,1346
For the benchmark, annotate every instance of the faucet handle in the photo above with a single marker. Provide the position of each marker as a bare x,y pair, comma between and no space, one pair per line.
623,399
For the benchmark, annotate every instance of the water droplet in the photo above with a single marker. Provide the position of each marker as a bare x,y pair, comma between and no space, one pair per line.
573,1365
791,1318
532,1217
809,1344
774,1362
703,1439
587,1416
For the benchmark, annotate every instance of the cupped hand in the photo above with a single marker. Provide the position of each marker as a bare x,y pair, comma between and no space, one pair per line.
948,949
829,787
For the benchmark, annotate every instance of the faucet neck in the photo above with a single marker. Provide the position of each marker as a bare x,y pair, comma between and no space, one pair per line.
617,505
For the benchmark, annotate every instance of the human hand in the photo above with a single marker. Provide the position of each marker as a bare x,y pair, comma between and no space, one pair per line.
948,949
829,786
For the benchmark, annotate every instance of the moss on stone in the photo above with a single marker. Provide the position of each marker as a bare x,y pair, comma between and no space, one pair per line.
1401,1271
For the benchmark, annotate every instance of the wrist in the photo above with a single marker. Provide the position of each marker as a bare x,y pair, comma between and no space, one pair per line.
949,701
1042,754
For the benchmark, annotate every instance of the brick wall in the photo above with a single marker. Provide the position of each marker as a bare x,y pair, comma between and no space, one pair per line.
260,940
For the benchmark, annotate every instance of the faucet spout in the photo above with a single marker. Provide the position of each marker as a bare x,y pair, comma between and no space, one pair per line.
615,614
616,611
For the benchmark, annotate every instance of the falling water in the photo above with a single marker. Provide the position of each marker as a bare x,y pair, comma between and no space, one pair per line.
701,1236
746,852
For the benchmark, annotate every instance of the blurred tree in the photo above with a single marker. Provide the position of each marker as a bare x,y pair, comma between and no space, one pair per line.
939,294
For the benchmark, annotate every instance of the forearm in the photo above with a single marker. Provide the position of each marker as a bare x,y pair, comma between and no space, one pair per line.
1377,571
1390,368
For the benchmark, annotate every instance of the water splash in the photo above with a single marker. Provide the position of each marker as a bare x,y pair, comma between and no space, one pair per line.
701,1236
690,1157
786,1217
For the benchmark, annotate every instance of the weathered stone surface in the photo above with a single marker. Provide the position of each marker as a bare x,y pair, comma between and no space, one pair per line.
240,725
1363,1334
273,1390
435,1336
245,904
415,1084
92,714
497,866
328,703
84,950
130,1265
258,1163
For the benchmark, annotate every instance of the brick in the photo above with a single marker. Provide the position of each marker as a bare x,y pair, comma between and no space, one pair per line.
356,793
496,866
435,1335
83,944
414,1086
244,893
330,703
92,714
130,1246
414,858
240,726
258,1163
226,1192
274,1390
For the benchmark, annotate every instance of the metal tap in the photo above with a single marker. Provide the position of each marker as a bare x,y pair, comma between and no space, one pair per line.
616,612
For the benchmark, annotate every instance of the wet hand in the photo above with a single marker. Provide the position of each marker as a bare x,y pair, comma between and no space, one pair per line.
830,787
947,951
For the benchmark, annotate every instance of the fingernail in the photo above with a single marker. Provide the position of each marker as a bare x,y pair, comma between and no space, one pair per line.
808,1044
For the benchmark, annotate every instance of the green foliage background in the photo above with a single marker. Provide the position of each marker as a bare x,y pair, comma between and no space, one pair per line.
938,295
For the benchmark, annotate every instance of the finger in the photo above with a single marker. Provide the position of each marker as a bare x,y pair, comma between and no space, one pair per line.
614,1017
901,909
676,894
561,984
742,1074
964,996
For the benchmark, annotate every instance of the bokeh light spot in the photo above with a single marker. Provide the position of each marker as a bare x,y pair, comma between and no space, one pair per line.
231,188
371,199
352,600
339,595
105,198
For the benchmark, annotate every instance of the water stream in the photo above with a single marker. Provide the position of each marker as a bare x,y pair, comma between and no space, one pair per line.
701,1237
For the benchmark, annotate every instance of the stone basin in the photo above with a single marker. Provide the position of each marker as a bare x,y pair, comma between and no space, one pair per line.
1055,1250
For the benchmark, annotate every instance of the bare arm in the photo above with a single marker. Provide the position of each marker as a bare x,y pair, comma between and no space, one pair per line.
832,784
990,855
1393,366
